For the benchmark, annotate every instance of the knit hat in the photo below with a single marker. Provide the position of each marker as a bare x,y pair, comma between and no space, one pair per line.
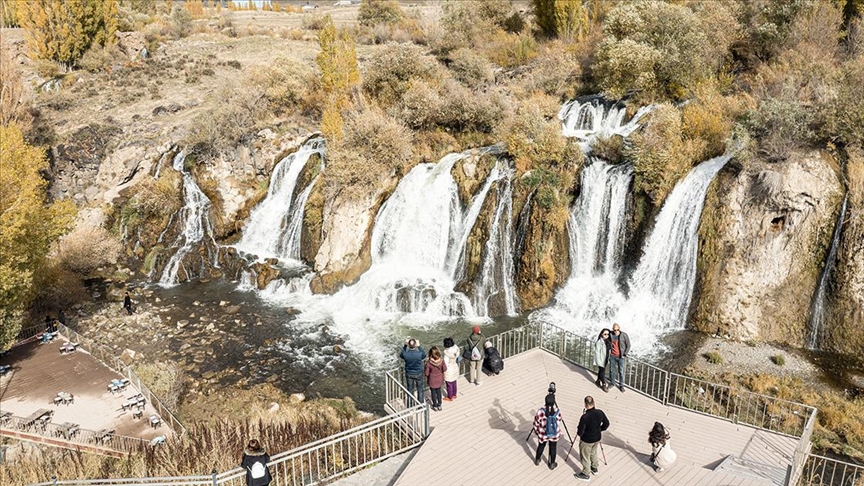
476,329
488,344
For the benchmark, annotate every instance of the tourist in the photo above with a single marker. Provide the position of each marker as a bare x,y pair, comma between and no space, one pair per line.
662,455
255,460
127,303
413,355
492,363
592,423
473,355
547,426
434,371
451,374
601,358
618,356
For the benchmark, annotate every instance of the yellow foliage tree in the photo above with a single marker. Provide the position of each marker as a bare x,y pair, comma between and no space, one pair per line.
8,14
195,8
337,62
28,227
64,31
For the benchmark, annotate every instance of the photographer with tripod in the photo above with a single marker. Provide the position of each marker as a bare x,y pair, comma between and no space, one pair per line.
547,426
591,425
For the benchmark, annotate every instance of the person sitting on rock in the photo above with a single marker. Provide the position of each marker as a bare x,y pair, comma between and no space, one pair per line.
492,363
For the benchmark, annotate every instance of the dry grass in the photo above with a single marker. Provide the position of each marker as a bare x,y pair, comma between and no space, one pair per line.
86,249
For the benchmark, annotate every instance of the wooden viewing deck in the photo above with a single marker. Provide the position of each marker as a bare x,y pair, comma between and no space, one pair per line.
480,437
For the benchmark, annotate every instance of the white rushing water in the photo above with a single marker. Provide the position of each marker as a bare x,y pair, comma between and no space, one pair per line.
497,271
593,119
818,307
275,225
194,218
661,287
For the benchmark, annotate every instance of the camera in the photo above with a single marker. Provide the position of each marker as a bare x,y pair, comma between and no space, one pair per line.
552,387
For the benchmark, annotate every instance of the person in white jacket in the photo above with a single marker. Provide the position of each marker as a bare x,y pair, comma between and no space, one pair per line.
662,455
451,359
601,358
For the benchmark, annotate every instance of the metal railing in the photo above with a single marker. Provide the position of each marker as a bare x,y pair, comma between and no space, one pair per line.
109,359
119,443
824,471
407,424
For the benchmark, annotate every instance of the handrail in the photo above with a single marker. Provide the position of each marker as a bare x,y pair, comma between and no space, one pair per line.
821,470
108,358
120,443
407,424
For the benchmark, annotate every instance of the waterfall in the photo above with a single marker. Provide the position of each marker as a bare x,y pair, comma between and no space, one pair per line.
817,308
457,258
194,218
592,118
497,271
274,226
661,287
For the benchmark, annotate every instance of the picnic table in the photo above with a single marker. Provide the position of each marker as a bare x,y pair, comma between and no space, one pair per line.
155,421
64,398
38,418
117,385
67,430
48,337
68,348
136,400
103,434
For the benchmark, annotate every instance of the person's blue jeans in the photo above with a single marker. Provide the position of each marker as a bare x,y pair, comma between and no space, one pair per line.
616,370
413,382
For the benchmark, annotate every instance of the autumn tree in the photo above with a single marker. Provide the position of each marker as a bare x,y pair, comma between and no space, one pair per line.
566,19
374,12
13,106
337,63
8,14
64,31
28,227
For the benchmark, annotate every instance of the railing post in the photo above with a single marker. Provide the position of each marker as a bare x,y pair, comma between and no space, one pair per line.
666,387
426,418
54,479
213,473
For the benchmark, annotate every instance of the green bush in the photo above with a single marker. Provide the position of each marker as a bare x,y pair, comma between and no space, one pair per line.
512,50
842,115
781,125
379,12
470,68
713,357
100,58
389,72
661,49
778,359
470,24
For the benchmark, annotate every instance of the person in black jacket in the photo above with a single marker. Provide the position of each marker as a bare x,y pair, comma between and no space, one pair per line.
492,363
592,423
255,460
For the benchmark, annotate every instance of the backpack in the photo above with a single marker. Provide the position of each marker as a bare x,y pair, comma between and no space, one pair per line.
552,424
258,470
475,354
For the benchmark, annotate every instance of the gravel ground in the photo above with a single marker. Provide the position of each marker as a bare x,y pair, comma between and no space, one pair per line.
747,358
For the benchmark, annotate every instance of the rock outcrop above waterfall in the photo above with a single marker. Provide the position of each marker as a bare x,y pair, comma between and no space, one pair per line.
846,307
763,239
542,261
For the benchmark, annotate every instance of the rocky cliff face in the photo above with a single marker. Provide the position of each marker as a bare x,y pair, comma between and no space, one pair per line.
845,332
542,258
763,239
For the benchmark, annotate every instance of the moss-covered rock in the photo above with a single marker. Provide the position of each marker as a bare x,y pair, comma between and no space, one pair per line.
763,237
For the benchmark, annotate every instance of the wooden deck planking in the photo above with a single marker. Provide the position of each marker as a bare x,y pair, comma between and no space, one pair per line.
480,437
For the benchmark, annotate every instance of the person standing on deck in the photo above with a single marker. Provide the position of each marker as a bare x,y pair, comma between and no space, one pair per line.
591,425
618,356
255,460
451,359
413,356
434,371
601,358
547,426
474,353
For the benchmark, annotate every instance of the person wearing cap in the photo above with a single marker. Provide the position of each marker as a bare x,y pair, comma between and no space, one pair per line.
413,354
475,340
549,411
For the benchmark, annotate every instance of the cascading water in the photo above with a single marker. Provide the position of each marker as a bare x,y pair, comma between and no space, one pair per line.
661,287
818,307
592,118
497,272
275,225
194,218
456,259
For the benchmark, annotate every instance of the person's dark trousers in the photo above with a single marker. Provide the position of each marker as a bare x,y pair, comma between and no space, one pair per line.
616,371
436,396
129,309
413,382
553,450
601,375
